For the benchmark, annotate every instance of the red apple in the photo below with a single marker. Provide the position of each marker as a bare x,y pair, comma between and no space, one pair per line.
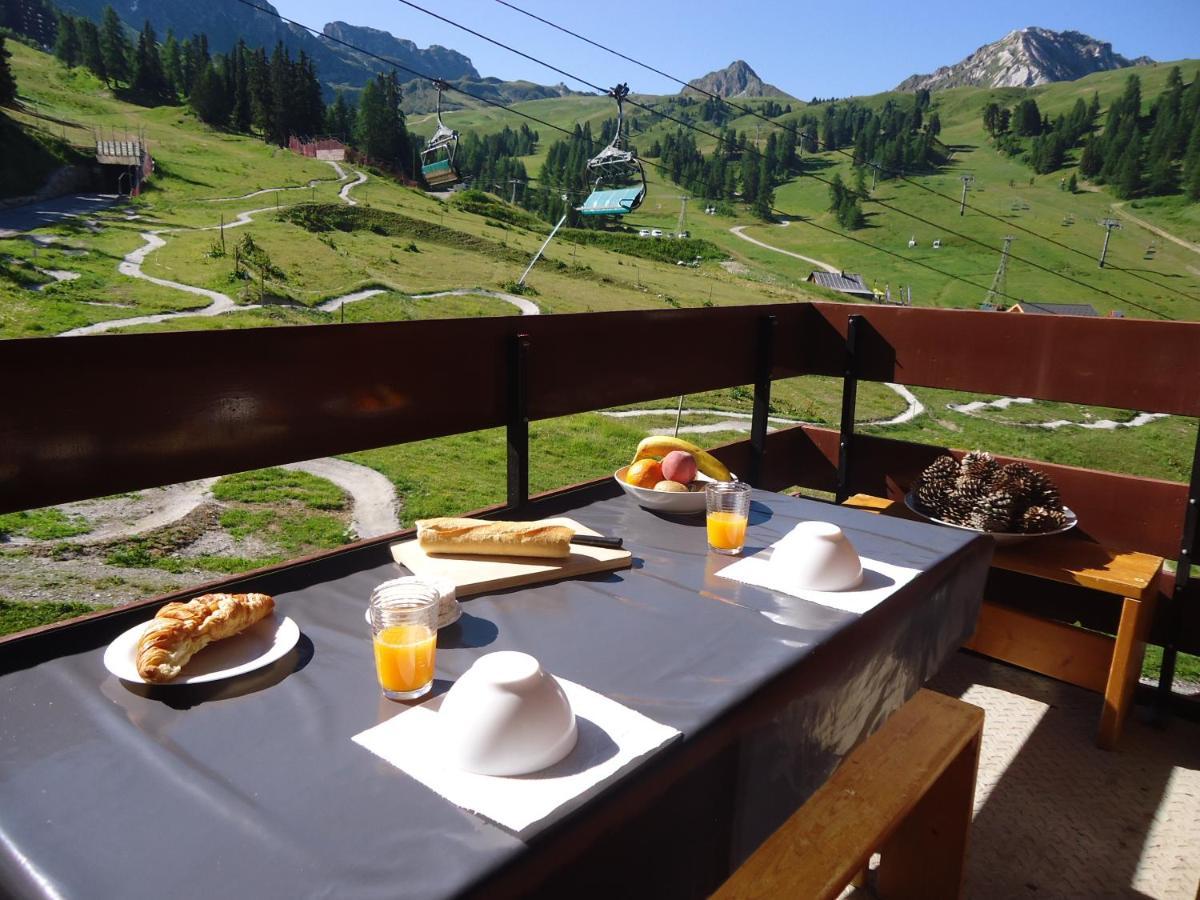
680,466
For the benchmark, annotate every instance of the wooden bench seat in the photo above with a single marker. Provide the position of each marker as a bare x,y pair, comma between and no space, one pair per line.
1108,665
907,792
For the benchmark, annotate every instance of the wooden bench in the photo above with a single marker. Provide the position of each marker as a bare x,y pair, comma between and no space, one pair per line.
907,792
1110,666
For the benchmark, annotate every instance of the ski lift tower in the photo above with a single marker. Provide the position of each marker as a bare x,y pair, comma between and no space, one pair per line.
1000,280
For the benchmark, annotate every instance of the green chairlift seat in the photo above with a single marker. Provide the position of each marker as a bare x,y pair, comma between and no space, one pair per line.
615,202
444,143
440,172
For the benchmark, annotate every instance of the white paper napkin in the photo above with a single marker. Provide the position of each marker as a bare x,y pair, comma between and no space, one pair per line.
880,581
612,738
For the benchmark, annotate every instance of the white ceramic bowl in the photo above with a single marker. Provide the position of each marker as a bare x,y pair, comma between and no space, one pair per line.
665,501
506,716
817,556
1001,538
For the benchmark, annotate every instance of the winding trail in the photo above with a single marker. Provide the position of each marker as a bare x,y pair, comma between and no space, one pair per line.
976,406
1119,209
341,176
740,421
219,303
373,493
373,496
344,193
739,231
527,307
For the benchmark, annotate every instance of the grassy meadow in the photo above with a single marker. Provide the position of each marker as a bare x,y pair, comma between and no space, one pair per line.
407,243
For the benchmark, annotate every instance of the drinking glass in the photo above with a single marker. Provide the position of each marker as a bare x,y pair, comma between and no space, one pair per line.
404,633
728,505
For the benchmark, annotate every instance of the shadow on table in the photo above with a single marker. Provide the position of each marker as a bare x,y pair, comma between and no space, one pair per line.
469,631
185,696
592,748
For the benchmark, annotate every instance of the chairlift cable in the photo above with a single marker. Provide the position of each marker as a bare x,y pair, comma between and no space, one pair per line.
320,34
759,154
746,110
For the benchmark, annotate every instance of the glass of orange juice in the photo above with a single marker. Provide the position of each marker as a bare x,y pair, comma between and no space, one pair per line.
404,633
728,504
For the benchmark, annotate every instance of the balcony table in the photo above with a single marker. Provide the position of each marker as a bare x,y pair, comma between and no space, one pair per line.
253,788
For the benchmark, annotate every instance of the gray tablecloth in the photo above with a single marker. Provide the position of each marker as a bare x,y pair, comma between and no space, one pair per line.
253,788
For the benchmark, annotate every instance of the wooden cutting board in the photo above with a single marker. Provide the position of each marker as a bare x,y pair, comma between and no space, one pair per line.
479,574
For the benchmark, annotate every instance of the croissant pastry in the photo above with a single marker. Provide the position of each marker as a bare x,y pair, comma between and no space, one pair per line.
180,630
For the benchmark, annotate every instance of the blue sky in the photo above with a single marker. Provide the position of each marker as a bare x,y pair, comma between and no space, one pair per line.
827,49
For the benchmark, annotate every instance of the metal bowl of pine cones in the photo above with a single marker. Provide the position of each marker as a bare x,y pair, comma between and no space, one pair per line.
1012,503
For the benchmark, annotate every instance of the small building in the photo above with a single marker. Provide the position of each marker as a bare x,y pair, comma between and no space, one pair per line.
125,164
1055,309
849,283
326,148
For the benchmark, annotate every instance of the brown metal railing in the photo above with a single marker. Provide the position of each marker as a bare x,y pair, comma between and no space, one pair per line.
92,416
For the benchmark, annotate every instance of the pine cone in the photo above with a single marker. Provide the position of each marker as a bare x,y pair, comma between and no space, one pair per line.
1038,519
1043,492
944,468
931,495
1017,478
958,507
971,489
981,465
994,512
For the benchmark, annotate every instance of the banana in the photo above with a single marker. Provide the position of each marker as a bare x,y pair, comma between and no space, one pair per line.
658,446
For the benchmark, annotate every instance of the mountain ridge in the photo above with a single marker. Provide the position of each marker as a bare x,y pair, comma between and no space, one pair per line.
735,80
1026,57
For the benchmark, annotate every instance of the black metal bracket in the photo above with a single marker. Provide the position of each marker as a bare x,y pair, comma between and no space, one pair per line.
764,363
849,402
518,422
1183,574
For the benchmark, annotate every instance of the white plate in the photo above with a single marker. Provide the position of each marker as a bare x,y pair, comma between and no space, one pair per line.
258,646
1001,537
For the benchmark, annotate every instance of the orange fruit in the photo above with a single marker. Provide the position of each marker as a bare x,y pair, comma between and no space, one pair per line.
645,473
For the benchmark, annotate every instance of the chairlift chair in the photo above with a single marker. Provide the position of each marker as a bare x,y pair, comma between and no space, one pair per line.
437,159
620,180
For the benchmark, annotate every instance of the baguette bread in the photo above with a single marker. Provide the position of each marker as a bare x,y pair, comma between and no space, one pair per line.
180,630
483,538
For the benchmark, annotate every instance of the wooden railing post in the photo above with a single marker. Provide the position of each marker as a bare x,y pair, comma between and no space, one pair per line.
765,361
518,422
849,401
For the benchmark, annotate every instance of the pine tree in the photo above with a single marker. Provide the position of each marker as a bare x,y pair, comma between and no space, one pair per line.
240,114
149,80
258,78
114,46
339,120
172,62
1191,164
66,46
1073,184
837,192
8,84
1128,182
208,98
89,48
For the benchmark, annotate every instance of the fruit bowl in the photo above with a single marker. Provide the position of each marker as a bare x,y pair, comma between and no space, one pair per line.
665,501
1001,537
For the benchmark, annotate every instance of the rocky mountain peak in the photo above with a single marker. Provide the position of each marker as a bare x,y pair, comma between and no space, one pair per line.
1025,57
735,80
